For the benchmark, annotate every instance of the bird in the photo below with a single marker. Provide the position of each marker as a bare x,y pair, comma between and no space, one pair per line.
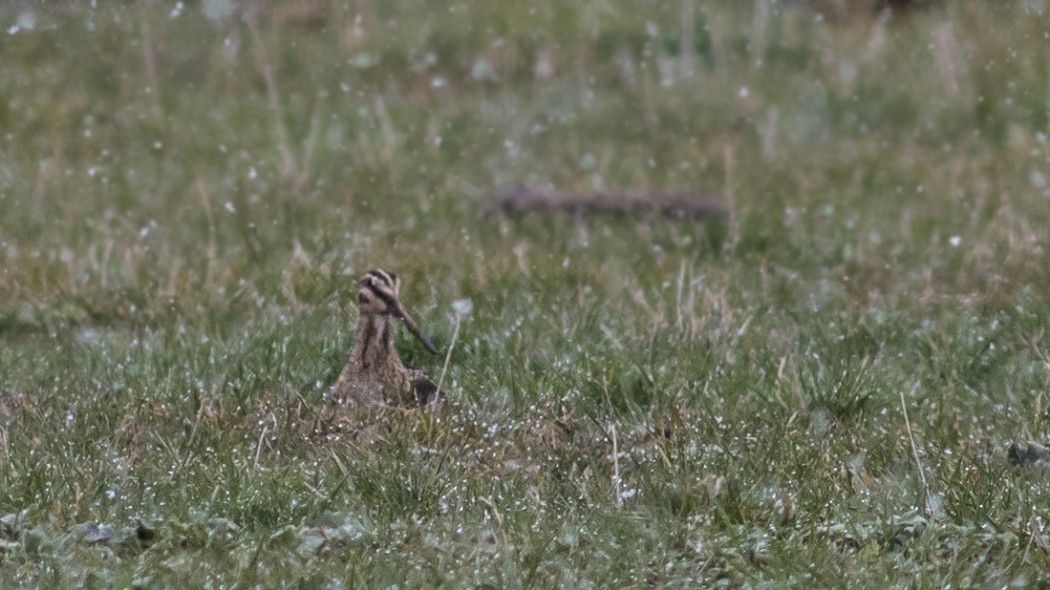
375,374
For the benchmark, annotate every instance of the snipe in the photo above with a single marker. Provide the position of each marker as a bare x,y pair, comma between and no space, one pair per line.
375,373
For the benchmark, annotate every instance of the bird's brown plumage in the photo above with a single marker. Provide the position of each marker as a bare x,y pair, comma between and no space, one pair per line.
375,373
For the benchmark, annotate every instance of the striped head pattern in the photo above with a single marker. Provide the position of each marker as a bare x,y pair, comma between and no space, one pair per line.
379,295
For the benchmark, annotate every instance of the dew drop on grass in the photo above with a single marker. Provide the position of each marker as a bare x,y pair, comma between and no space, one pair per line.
364,60
482,70
218,10
462,307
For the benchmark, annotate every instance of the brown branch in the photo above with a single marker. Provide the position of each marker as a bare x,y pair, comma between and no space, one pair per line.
638,204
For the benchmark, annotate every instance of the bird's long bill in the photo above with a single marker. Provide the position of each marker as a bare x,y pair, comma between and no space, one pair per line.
411,325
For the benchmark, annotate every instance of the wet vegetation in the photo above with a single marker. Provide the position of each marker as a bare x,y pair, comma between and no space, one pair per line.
820,386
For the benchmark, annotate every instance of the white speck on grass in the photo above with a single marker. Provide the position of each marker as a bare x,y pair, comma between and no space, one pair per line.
1036,7
438,82
26,22
482,70
218,10
229,206
954,241
462,307
252,174
177,11
743,92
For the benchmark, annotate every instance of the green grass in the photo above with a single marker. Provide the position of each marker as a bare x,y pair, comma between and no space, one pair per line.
819,391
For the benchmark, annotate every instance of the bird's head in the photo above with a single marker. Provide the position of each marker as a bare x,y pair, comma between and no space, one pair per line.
379,295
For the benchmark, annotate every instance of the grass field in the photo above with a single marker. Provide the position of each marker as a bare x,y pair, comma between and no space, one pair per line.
817,391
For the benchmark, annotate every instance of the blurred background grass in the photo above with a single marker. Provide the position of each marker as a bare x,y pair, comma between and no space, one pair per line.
189,189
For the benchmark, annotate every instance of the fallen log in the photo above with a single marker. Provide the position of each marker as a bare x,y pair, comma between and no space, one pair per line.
640,204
